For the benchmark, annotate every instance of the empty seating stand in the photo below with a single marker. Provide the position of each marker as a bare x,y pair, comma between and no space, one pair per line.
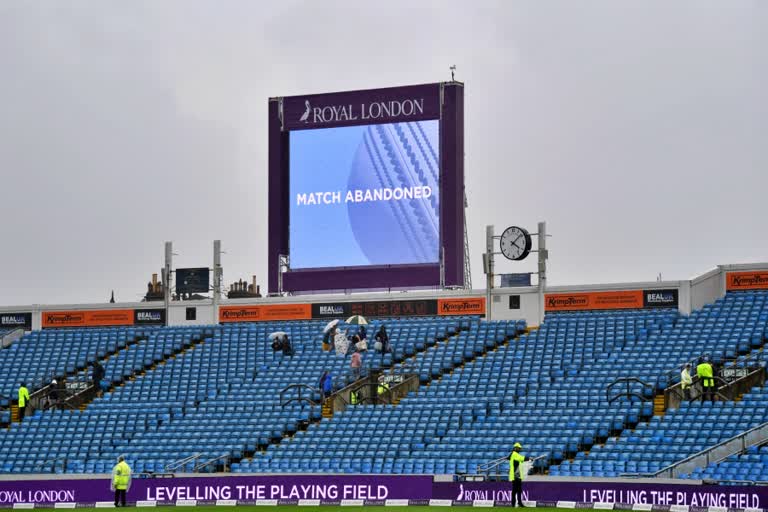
214,391
730,327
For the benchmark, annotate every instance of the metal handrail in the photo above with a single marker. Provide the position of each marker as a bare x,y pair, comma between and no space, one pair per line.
16,334
720,385
742,482
672,374
57,459
628,381
179,463
300,398
198,467
376,399
671,469
486,467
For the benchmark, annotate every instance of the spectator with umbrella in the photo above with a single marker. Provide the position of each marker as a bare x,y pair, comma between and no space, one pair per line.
359,340
329,333
382,341
341,343
281,342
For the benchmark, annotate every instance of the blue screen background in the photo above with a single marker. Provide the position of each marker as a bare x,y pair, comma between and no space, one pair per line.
393,232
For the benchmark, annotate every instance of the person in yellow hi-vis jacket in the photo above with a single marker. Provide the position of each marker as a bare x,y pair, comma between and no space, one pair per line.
23,399
517,473
121,480
704,371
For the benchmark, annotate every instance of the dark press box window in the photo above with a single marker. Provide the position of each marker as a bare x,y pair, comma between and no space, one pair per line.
514,302
191,313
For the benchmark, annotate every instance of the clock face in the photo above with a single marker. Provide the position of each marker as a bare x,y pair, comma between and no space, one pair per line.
515,243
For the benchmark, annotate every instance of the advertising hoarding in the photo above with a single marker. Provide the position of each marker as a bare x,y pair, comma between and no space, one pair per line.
749,280
265,313
625,299
16,320
366,188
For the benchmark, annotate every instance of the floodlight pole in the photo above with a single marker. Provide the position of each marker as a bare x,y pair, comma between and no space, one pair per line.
543,255
216,278
167,276
283,264
488,271
442,268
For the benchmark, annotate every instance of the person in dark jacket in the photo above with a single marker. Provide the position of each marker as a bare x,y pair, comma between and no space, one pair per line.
53,394
98,373
287,347
383,338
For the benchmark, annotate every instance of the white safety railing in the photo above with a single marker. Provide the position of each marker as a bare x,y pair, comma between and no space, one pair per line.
737,444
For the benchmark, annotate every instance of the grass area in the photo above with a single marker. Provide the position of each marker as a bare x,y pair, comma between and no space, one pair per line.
327,508
324,508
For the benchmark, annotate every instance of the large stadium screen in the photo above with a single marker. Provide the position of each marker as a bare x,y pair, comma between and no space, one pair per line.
365,195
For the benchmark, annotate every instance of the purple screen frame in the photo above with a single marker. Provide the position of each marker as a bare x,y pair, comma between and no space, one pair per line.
451,114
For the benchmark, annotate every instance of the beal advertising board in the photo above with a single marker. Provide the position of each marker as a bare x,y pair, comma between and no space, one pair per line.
103,318
613,299
16,321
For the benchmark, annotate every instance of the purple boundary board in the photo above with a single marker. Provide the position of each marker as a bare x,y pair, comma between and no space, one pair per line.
376,489
284,488
549,492
451,114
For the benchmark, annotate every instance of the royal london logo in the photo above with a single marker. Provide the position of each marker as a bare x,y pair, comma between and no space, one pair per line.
305,115
497,495
365,111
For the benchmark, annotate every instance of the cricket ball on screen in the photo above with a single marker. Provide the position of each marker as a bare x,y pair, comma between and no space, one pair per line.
395,184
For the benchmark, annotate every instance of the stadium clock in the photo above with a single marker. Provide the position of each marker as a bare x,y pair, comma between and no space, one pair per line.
515,243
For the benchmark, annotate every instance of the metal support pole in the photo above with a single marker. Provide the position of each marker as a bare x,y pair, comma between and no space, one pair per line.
489,271
442,268
167,277
281,266
542,246
216,278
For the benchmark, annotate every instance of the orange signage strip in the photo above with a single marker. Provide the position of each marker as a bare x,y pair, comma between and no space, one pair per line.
467,306
750,280
580,301
88,318
265,313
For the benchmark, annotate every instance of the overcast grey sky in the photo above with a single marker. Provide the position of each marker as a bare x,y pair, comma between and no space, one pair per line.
637,130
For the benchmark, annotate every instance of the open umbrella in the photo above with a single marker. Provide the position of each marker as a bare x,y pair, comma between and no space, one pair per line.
331,325
357,320
278,334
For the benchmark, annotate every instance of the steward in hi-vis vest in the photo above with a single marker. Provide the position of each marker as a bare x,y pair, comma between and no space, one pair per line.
121,480
517,473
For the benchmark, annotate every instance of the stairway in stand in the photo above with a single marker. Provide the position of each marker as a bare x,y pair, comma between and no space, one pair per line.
328,408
